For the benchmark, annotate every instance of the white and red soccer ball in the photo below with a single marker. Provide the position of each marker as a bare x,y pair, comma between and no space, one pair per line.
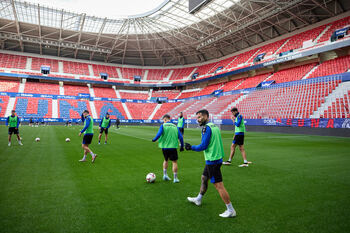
151,177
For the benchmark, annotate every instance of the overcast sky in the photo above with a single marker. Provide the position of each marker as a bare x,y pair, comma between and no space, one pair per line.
103,8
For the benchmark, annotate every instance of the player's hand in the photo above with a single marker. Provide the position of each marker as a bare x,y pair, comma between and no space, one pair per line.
16,128
233,118
79,134
188,146
99,128
181,149
153,140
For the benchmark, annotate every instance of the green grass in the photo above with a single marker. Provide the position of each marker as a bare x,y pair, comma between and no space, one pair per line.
296,183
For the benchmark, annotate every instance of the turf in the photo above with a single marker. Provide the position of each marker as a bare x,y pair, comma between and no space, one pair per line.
296,183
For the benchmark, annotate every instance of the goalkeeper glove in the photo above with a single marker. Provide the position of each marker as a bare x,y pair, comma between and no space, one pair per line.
188,146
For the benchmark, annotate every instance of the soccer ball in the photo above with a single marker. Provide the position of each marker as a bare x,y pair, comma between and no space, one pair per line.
37,139
151,177
67,139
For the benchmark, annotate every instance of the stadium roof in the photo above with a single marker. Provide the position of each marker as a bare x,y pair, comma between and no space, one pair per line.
166,35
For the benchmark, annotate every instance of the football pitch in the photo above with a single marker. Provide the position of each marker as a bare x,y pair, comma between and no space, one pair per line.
297,183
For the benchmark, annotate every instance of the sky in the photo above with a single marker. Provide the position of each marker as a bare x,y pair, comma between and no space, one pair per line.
111,9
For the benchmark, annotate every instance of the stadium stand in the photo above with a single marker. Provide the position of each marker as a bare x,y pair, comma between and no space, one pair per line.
75,90
41,88
164,109
70,109
141,110
253,81
339,24
12,61
296,41
179,74
334,66
340,108
169,94
38,62
104,92
75,68
210,89
9,86
182,107
232,85
291,74
245,57
110,70
188,94
3,105
129,73
157,74
33,107
115,109
292,101
133,95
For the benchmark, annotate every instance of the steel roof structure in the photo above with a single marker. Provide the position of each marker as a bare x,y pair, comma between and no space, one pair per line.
167,35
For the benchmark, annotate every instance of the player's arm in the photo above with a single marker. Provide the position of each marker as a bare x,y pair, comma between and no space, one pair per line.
181,138
239,121
88,120
205,141
160,131
82,118
18,121
109,124
100,123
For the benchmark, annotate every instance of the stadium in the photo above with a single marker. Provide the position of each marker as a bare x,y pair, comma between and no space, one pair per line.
284,64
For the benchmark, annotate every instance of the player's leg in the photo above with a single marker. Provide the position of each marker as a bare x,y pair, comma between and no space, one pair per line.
19,139
244,155
93,155
165,165
85,152
99,138
245,161
232,153
173,156
9,138
106,135
175,168
204,187
230,212
216,178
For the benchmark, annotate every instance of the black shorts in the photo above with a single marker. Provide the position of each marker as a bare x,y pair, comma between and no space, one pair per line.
170,154
182,131
104,130
213,172
238,140
13,130
87,139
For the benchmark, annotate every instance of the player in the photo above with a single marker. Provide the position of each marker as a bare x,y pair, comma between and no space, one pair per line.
13,123
104,126
181,123
212,146
169,136
117,123
31,121
238,139
88,135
